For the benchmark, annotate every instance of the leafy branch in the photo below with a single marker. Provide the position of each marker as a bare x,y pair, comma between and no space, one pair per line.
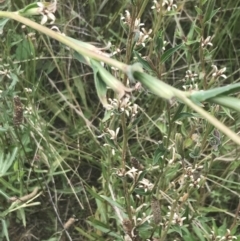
91,55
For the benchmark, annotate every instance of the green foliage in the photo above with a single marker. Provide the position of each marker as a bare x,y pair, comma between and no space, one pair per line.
95,146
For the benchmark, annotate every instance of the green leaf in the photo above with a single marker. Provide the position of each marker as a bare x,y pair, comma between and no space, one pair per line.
169,53
198,232
184,115
81,58
107,115
227,101
157,155
15,79
208,94
178,112
203,2
199,10
108,79
25,50
2,24
93,193
81,90
144,63
159,41
227,112
5,229
112,202
155,85
28,8
102,227
7,161
212,14
80,44
190,37
176,229
101,87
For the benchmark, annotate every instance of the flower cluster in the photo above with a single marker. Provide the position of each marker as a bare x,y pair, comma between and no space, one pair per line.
218,72
128,21
169,4
134,174
176,219
144,218
123,105
191,87
5,72
194,174
165,43
139,218
141,36
47,10
206,42
28,110
226,237
190,75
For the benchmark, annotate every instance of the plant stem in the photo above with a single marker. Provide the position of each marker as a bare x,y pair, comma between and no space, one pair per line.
65,40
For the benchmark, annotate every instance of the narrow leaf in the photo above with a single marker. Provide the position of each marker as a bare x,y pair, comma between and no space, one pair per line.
144,63
2,24
169,53
101,88
208,94
155,85
227,101
112,202
109,79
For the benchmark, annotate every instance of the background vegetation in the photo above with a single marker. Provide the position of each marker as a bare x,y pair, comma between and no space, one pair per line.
147,169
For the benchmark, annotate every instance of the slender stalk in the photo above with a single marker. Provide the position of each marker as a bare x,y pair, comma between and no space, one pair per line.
124,152
65,40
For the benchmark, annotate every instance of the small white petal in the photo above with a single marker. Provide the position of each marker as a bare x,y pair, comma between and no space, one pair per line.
44,19
52,17
117,131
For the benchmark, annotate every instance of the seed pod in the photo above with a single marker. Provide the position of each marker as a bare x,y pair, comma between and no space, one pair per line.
69,223
18,111
156,210
127,226
135,163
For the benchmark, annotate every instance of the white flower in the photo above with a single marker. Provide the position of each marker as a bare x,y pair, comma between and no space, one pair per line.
47,10
143,36
5,72
146,184
123,105
218,73
156,6
190,75
113,133
138,24
28,90
177,219
128,20
165,43
207,41
133,173
28,110
170,5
